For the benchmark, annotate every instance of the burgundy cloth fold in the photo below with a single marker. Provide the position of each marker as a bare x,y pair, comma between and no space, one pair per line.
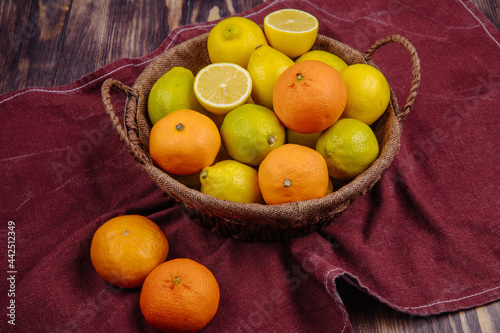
424,240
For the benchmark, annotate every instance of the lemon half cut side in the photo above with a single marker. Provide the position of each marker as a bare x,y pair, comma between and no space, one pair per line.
222,87
291,31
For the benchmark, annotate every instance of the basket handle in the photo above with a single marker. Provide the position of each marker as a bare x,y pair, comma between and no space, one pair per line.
415,83
131,139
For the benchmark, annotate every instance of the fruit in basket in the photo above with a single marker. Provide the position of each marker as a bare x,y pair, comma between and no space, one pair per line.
368,93
172,91
324,56
231,180
349,148
180,295
233,39
291,31
308,140
250,132
184,142
330,186
125,249
222,87
265,66
309,96
293,173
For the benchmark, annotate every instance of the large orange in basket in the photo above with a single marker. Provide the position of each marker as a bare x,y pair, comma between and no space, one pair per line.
293,173
309,96
184,142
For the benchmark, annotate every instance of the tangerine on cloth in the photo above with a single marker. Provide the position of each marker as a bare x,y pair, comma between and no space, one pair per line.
423,240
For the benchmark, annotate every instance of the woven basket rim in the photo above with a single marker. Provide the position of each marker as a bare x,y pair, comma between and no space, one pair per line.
229,210
294,215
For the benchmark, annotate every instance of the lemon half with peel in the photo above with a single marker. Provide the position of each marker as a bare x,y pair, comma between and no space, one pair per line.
222,87
291,31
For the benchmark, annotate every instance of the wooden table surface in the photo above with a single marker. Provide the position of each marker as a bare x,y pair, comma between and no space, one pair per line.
41,45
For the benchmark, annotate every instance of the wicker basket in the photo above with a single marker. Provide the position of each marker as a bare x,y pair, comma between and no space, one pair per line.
255,222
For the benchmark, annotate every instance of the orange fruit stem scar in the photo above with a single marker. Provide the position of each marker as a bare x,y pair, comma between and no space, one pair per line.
179,295
184,142
293,173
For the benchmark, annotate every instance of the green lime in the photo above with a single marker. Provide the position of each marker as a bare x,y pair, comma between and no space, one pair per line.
308,140
171,92
349,147
250,132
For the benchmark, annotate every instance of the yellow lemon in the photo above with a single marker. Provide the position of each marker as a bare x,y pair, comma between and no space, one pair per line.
172,91
222,87
231,180
368,93
265,66
349,147
330,188
291,31
324,56
308,140
250,132
233,39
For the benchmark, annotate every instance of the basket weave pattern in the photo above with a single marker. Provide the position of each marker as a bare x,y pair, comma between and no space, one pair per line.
255,222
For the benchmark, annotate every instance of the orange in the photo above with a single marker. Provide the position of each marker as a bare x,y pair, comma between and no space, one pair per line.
309,96
184,142
126,249
179,295
293,173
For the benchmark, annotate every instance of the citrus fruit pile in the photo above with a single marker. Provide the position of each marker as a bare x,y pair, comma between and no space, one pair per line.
177,295
269,120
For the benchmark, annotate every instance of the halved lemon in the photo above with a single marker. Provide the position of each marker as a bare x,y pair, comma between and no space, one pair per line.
291,31
222,87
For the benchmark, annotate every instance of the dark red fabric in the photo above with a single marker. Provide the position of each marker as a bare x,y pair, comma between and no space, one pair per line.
424,240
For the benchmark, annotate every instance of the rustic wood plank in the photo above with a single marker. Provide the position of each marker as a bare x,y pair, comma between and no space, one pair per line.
32,33
99,32
490,9
127,29
34,50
